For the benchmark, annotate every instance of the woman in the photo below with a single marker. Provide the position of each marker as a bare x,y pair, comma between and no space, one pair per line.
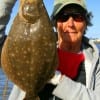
78,73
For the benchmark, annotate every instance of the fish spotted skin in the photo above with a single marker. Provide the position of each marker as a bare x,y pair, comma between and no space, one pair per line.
29,55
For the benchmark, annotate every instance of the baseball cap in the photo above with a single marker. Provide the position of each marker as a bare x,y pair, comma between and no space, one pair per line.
59,4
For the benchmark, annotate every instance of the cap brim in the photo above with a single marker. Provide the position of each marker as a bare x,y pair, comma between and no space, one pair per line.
66,4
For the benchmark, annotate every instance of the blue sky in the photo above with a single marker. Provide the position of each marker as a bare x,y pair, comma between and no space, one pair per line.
94,7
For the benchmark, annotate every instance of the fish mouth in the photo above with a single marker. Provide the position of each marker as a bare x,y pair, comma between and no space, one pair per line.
30,12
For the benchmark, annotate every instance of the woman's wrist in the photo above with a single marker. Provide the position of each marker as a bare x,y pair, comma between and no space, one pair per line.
57,78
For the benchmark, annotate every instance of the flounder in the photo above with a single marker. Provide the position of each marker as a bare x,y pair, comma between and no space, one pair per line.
29,55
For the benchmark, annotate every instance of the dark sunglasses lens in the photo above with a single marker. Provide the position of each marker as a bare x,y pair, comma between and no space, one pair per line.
63,18
76,16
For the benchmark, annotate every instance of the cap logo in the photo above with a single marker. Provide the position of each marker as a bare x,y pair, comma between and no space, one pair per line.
79,0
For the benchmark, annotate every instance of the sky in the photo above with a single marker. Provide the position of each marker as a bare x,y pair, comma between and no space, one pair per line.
92,6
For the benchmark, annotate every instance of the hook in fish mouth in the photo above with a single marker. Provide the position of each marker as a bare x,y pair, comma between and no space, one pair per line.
30,11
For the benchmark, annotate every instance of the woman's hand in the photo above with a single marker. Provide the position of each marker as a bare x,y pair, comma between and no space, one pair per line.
56,78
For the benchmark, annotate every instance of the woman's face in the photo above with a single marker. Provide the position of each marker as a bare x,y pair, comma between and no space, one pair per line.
70,27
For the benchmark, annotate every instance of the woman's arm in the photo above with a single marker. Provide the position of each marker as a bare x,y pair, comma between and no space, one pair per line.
16,94
68,89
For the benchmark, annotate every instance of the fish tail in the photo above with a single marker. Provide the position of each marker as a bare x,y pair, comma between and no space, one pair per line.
31,97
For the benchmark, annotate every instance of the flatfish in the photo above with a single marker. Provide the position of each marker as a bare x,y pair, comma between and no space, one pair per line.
29,55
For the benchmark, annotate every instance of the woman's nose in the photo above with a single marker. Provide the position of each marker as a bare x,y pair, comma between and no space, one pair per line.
70,21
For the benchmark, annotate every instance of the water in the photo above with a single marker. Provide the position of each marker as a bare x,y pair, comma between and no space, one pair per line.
98,45
6,85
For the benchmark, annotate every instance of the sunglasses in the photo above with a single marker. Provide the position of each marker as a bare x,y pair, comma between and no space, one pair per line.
78,17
